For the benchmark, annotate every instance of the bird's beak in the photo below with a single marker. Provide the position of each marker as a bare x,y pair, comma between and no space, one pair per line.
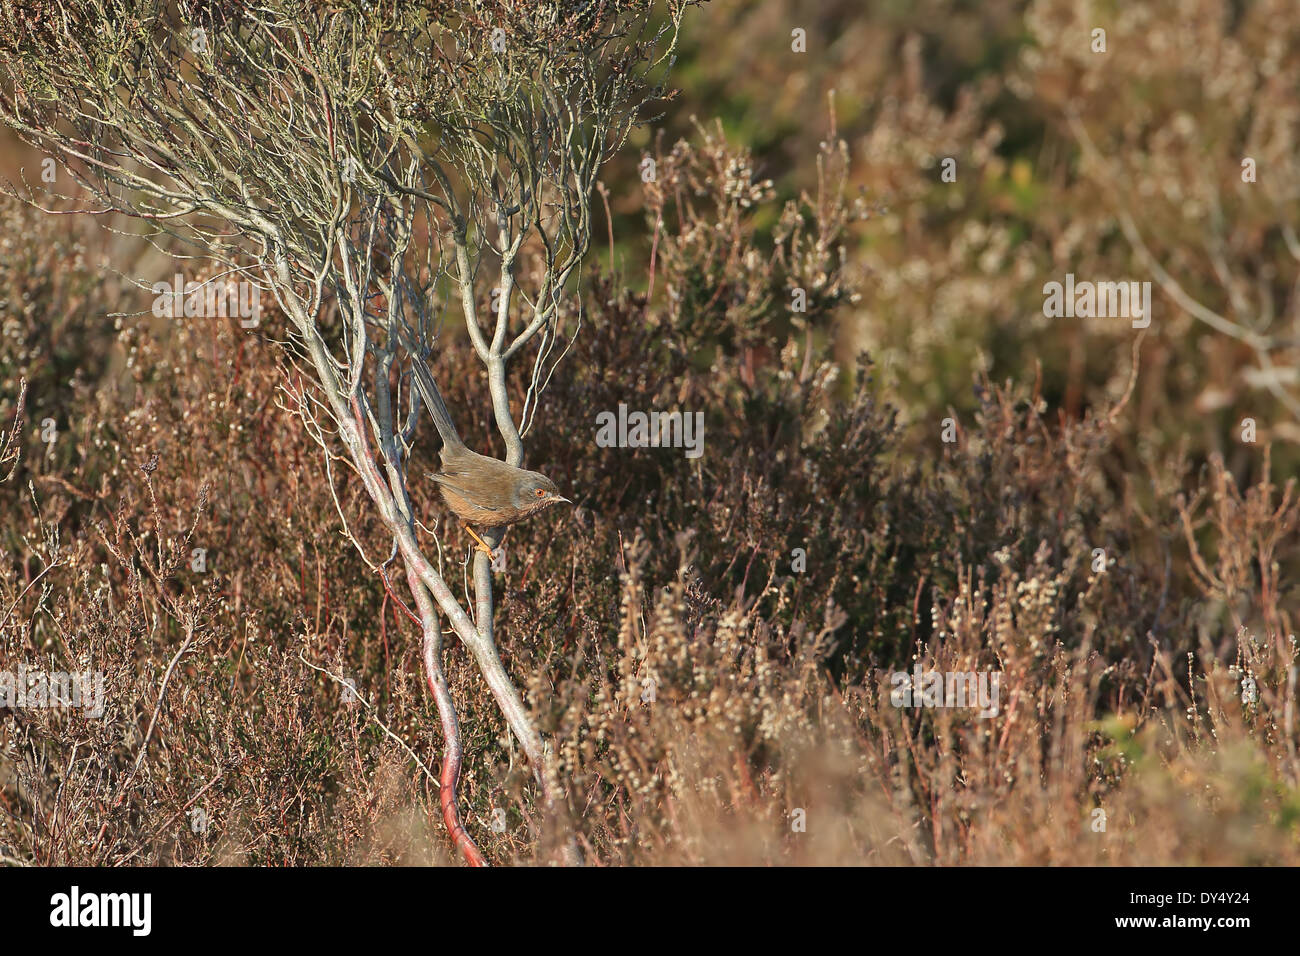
561,500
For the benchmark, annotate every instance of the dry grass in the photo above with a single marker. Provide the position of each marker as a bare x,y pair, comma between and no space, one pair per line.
771,737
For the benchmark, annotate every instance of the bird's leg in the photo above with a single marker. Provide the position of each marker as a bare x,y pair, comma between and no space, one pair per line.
482,545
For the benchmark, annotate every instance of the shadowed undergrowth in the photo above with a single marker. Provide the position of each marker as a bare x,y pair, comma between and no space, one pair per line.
707,643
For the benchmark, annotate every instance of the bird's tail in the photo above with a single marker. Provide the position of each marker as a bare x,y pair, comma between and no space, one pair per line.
428,390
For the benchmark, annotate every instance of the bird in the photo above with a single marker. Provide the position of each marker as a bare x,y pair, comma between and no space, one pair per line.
480,490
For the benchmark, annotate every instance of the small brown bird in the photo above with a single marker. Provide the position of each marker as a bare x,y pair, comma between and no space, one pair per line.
481,490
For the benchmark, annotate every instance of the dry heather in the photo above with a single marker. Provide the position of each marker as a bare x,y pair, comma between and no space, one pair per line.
707,644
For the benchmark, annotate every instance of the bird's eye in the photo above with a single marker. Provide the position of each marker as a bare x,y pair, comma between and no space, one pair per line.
541,492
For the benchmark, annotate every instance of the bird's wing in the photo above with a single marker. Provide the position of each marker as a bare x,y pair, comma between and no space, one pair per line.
455,480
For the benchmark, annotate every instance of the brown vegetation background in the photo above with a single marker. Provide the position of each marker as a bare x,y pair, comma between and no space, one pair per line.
1121,690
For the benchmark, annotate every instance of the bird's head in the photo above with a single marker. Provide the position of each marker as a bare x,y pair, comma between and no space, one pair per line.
535,492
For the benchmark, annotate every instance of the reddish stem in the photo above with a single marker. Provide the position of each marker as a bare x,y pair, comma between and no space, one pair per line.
398,601
452,756
432,641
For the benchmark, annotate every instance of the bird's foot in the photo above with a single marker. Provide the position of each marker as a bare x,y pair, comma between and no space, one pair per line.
480,544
